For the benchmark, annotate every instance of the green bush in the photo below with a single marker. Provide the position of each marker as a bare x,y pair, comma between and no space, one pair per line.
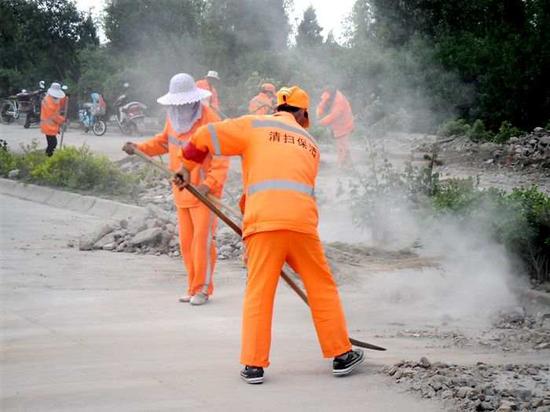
478,132
70,167
458,127
80,169
505,132
7,161
519,220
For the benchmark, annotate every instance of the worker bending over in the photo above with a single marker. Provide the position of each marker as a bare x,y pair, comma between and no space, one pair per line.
280,162
196,224
334,111
264,102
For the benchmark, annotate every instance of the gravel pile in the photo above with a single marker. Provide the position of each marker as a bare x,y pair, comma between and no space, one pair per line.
482,387
154,234
517,330
531,150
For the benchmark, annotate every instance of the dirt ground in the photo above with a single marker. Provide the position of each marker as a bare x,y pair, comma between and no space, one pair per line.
78,324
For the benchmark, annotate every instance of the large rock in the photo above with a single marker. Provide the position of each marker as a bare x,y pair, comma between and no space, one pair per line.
13,174
86,242
109,238
159,213
136,224
147,237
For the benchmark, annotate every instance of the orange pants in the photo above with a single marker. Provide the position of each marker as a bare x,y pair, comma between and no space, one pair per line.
342,149
267,252
197,229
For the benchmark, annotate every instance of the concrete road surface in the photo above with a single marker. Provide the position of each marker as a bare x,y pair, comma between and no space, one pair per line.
101,331
109,144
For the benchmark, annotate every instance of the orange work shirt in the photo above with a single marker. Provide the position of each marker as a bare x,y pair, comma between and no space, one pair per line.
50,117
339,117
213,100
280,161
262,103
211,172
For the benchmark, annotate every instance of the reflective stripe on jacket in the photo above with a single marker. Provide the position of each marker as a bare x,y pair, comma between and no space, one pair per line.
213,100
50,117
262,104
212,172
339,117
280,161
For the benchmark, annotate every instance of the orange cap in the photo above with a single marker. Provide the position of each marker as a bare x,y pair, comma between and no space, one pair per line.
268,87
293,96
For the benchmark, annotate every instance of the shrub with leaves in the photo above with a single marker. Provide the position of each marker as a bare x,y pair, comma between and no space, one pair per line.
70,167
80,169
519,220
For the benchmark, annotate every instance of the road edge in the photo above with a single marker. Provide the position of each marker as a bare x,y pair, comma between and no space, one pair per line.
90,205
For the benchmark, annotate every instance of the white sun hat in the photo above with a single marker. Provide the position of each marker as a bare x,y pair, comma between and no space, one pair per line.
183,90
213,74
55,91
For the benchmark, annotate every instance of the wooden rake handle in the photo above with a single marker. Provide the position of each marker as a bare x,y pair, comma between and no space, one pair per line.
209,203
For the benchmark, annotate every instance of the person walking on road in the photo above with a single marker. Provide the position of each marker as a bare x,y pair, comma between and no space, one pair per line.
334,111
50,116
280,162
196,224
209,83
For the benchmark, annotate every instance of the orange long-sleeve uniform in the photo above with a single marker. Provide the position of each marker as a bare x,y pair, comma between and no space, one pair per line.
50,116
197,225
262,103
339,118
280,161
213,100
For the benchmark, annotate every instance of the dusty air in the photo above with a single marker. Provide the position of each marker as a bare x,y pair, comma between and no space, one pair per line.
274,205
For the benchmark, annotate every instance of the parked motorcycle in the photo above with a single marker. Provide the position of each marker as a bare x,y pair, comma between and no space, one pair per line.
9,110
29,104
129,115
92,115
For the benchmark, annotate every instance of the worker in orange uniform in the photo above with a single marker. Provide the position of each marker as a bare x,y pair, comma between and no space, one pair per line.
197,225
334,111
264,102
280,162
209,83
50,116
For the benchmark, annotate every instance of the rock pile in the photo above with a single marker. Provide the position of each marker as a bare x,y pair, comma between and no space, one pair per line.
517,330
531,150
154,233
481,387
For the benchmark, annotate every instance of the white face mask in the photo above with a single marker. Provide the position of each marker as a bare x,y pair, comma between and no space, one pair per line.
56,100
184,116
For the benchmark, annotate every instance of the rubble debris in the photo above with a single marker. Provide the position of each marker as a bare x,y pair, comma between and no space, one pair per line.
480,387
531,150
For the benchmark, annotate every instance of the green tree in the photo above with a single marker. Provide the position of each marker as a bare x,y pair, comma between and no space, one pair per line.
309,31
40,40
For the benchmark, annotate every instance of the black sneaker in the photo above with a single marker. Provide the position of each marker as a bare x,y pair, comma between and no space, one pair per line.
343,365
252,374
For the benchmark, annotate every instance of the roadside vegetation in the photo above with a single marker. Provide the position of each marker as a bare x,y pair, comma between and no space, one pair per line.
76,169
519,220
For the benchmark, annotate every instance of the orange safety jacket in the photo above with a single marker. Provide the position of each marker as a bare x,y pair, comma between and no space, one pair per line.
211,172
213,100
280,161
339,117
262,103
50,117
